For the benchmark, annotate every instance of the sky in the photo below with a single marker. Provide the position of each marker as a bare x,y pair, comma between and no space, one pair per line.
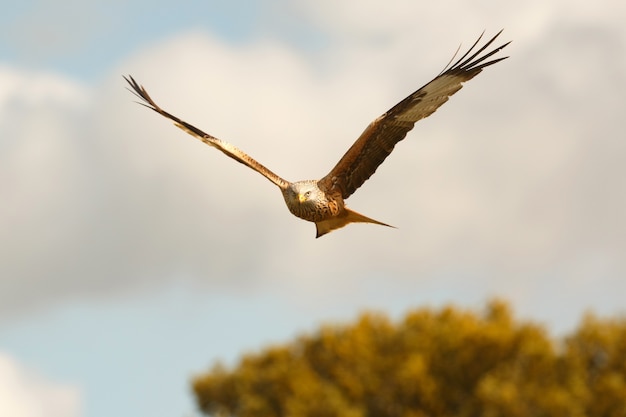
133,257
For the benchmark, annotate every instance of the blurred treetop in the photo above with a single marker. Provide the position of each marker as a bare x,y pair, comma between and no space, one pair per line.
447,362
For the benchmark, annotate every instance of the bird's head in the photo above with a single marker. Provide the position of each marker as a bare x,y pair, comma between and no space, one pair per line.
305,192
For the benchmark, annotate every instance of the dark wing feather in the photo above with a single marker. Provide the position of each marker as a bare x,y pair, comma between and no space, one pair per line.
379,138
228,149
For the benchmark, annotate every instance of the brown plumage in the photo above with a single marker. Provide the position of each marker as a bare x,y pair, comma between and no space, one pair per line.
322,202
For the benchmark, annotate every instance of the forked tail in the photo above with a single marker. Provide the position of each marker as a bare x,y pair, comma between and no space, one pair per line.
348,216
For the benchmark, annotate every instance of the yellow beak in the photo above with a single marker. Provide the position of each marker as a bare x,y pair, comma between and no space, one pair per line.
301,198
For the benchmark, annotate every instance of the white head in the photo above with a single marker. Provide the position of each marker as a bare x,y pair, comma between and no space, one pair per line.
305,200
304,192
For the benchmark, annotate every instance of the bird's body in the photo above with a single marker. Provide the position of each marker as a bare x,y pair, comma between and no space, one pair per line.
306,200
322,201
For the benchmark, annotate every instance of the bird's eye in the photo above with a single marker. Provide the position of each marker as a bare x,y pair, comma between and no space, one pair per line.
307,194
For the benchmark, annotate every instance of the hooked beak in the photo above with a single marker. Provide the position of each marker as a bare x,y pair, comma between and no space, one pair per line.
301,198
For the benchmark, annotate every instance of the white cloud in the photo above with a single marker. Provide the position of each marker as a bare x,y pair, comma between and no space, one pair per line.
517,178
26,394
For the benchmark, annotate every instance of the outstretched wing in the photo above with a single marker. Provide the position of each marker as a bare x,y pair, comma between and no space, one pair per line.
230,150
379,138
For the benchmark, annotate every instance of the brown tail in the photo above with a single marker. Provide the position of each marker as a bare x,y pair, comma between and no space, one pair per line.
348,216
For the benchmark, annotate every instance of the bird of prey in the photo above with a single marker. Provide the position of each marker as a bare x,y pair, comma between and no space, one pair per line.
322,201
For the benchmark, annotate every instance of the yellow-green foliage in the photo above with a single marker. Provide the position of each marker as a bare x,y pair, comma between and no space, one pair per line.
432,363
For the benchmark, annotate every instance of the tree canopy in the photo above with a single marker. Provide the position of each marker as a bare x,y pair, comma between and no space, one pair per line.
446,362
